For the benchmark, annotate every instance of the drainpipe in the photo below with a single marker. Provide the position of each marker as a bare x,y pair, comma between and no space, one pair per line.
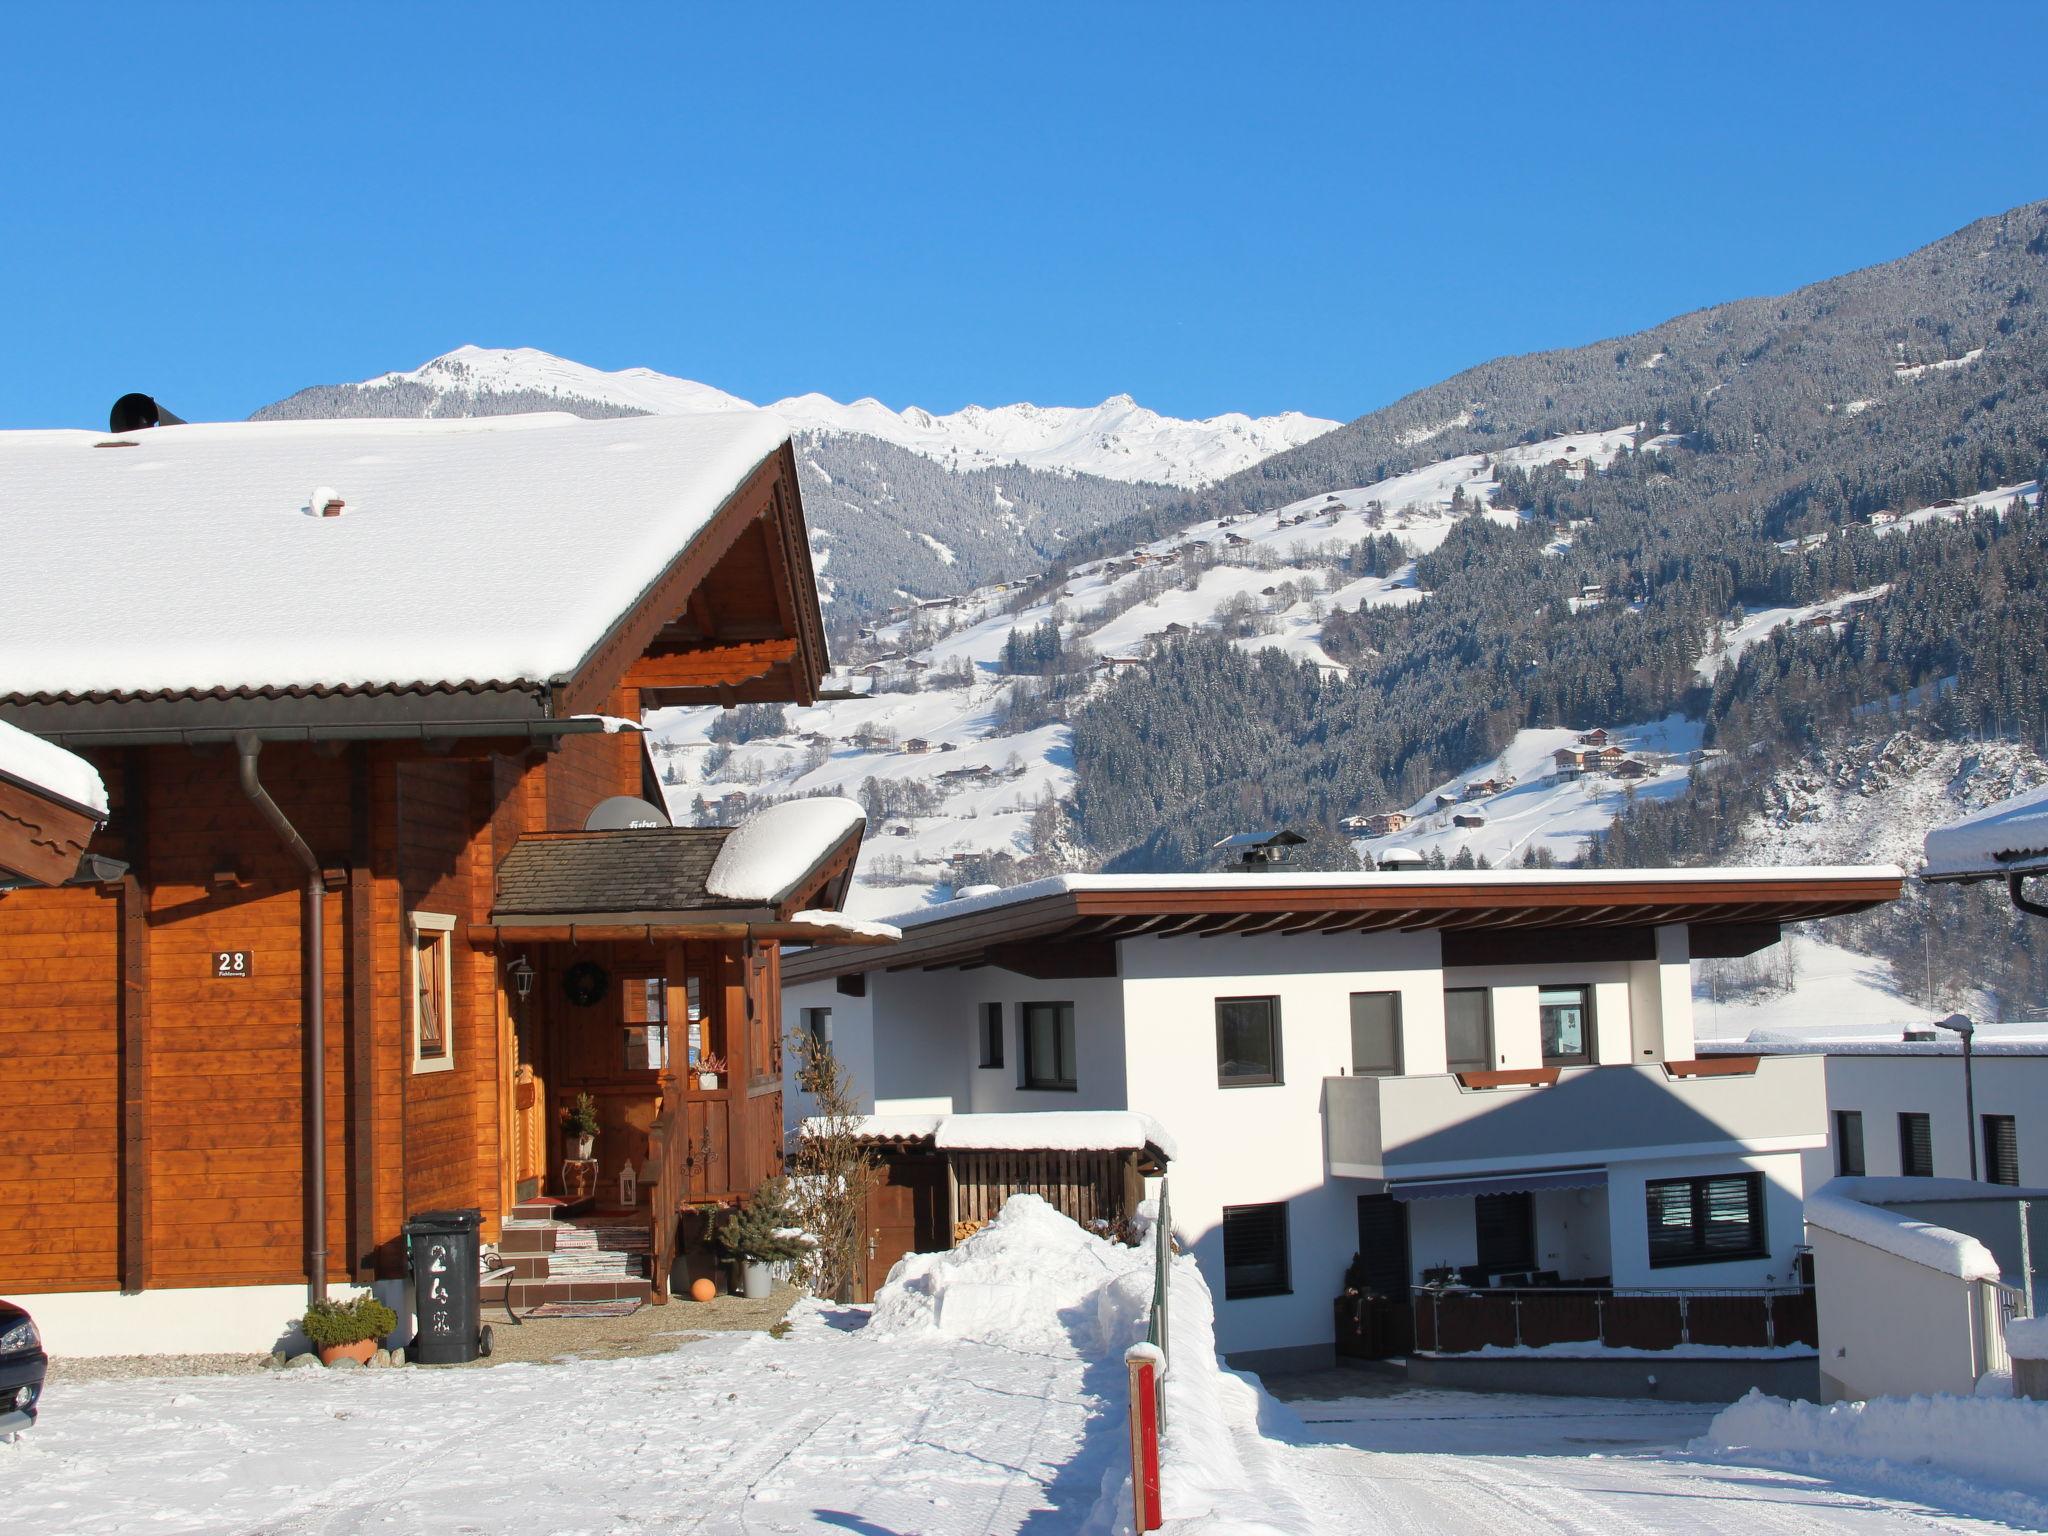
2016,887
247,745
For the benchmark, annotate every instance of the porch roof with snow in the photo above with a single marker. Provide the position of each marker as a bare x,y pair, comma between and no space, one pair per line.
1050,927
51,803
1049,1130
782,873
1998,842
515,568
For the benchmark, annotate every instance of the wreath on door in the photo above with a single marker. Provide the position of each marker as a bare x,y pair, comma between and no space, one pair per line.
585,983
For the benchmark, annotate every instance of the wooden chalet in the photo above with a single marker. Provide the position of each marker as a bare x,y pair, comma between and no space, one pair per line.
351,952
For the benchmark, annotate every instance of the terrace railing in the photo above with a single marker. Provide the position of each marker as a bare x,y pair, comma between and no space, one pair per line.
1453,1320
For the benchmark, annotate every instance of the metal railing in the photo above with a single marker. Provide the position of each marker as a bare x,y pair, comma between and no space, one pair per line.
1460,1319
1162,1278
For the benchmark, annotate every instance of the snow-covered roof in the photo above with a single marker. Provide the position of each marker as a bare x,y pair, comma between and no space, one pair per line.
1849,1208
2009,838
1506,880
771,853
1049,1130
2015,1039
500,549
50,771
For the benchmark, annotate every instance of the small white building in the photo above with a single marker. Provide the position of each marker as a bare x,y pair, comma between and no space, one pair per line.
1483,1076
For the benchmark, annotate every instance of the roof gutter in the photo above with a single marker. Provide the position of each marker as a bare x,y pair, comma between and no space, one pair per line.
248,745
421,730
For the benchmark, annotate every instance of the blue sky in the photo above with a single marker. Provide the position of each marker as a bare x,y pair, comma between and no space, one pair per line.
1209,207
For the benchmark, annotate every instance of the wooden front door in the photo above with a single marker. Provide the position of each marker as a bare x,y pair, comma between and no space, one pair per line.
892,1232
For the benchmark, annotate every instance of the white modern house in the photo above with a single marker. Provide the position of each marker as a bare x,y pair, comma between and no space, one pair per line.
1464,1078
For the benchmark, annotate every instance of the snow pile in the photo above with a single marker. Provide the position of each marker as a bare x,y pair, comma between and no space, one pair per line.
840,925
50,770
1032,1280
2009,837
769,853
1971,1438
1841,1206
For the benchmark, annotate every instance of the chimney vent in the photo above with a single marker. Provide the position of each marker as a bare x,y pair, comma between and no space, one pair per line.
325,502
133,412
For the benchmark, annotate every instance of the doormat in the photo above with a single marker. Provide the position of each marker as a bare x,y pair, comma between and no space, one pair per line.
584,1309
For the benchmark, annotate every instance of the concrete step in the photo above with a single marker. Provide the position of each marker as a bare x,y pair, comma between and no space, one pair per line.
531,1293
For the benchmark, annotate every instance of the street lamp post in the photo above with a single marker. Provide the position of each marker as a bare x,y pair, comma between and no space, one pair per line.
1960,1024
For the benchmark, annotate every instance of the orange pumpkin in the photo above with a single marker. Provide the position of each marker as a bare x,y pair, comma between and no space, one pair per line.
702,1290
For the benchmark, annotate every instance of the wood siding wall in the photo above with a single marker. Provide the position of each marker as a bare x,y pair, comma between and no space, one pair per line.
1088,1186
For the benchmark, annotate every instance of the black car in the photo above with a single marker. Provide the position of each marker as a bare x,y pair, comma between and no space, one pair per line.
22,1364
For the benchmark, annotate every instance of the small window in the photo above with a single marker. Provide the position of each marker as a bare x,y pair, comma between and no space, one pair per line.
433,994
991,1034
1255,1251
818,1027
644,1022
1247,1041
1468,1029
1706,1221
2001,1149
1566,1014
1916,1145
1376,1034
1849,1143
1048,1037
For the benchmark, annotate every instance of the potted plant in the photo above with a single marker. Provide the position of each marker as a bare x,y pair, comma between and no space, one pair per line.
710,1067
761,1234
347,1329
580,1126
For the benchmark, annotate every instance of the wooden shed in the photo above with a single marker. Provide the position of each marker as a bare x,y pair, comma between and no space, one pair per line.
945,1177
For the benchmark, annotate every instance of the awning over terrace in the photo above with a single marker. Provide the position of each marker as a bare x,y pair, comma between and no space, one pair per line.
1498,1184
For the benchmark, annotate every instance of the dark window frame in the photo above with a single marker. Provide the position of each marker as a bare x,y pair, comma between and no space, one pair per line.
1993,1162
1587,1034
1400,1065
1909,1120
991,1035
1281,1255
1700,1251
1845,1121
1065,1048
650,990
1277,1077
1488,1064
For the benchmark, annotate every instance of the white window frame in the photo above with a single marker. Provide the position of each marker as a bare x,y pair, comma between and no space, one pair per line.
440,924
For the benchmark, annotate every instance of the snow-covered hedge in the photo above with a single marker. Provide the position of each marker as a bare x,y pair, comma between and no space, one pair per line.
1032,1279
2026,1338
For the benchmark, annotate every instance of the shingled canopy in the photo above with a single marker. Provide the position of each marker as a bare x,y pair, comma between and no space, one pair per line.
656,883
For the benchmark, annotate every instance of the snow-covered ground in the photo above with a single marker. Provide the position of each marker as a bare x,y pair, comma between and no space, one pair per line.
1461,1462
1832,987
1542,810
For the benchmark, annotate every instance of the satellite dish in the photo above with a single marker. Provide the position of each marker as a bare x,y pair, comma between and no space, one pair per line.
624,813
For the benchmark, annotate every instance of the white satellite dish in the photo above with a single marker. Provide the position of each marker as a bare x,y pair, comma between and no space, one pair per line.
624,813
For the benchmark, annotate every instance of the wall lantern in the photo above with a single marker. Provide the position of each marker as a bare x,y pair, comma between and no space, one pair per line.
521,972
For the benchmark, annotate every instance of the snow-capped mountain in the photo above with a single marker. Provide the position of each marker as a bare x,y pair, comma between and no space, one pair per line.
1116,440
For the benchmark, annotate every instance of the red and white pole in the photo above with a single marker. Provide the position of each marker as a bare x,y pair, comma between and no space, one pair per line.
1144,1362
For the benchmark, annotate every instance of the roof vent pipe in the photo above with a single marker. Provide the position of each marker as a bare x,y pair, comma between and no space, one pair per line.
133,412
247,745
325,502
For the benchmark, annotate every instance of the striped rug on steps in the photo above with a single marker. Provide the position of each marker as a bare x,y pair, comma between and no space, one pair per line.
599,1252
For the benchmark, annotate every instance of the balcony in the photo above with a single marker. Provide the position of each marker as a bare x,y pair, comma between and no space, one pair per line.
1472,1125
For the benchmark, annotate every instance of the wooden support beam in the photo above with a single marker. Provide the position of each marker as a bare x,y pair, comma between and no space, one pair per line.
358,1007
709,666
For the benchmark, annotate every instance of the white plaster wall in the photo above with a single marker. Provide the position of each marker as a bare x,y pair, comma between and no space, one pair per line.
1629,1226
1517,1021
1674,993
1440,1233
853,1043
198,1320
1251,1146
1882,1086
1890,1327
1572,1232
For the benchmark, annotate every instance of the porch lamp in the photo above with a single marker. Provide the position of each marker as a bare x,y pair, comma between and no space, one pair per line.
1960,1024
521,972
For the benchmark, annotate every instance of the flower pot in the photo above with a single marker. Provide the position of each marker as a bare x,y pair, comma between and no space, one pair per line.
759,1279
580,1147
360,1352
707,1079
